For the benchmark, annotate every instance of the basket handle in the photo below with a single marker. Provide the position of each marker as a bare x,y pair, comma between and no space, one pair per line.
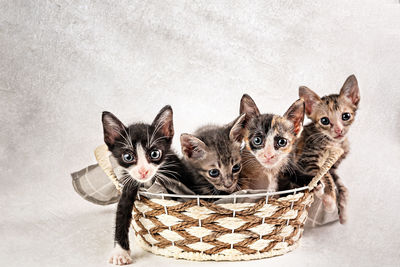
102,156
331,156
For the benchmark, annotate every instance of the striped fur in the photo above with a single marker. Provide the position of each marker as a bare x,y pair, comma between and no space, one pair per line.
316,138
214,148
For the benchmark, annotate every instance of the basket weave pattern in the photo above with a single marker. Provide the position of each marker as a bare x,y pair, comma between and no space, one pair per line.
207,231
202,230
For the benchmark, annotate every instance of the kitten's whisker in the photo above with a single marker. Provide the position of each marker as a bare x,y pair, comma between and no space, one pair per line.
169,173
169,164
126,146
157,140
157,128
129,136
128,142
147,136
164,179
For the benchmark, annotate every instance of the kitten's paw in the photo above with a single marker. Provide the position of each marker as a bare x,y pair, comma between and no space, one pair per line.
120,256
343,196
342,218
329,203
319,191
342,214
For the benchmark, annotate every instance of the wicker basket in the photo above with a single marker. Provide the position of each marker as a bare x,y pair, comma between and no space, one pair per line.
197,229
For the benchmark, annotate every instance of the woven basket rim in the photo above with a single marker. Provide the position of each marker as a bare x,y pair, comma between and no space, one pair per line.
251,195
331,155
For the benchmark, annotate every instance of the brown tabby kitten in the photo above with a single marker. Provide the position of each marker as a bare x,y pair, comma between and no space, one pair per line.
270,140
213,155
331,118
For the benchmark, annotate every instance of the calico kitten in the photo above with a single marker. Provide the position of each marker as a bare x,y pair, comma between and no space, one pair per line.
143,153
270,139
213,155
331,117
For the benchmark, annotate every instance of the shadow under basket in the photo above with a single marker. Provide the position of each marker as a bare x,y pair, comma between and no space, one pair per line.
243,227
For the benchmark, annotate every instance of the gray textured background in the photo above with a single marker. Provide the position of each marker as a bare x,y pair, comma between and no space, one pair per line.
63,62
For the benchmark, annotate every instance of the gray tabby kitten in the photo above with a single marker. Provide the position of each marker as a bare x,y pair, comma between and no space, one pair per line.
213,155
331,118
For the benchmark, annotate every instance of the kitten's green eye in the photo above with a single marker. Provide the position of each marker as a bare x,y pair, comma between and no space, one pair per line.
346,116
128,157
236,168
155,154
257,141
325,121
213,173
282,142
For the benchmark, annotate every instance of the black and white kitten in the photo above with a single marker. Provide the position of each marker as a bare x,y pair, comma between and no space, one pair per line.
212,155
143,153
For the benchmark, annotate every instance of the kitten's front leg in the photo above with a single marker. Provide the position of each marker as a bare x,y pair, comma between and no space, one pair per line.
329,196
121,252
342,198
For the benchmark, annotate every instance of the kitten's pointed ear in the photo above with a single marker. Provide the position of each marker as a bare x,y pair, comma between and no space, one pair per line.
236,133
296,115
350,90
310,98
112,128
164,122
192,147
248,107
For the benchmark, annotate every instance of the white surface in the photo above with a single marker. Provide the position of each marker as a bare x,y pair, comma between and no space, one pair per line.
63,62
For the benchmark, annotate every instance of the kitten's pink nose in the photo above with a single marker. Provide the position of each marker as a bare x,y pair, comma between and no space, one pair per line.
143,172
338,130
269,156
228,184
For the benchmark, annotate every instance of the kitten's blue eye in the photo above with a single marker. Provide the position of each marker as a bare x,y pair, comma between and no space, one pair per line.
257,141
155,154
325,121
346,116
236,168
128,157
213,173
282,142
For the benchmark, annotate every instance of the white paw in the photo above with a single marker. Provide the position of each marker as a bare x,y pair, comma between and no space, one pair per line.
329,203
319,191
120,256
